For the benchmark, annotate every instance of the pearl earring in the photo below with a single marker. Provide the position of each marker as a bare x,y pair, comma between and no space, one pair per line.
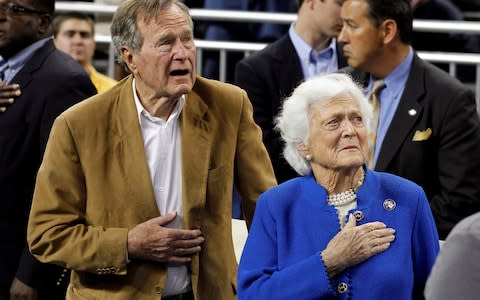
308,157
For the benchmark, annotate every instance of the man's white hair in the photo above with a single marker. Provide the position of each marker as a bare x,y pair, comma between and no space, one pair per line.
293,121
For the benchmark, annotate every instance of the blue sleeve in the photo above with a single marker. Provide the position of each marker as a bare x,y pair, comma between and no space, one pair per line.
259,275
425,244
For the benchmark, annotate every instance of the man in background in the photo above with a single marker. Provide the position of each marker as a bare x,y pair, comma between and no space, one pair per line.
428,127
309,48
73,34
43,83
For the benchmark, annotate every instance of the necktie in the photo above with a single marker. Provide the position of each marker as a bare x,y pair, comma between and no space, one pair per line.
3,68
374,99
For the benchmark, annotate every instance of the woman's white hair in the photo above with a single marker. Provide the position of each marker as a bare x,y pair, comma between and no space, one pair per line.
293,121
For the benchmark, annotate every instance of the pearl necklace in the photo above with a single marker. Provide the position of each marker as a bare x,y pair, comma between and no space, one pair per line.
343,198
346,197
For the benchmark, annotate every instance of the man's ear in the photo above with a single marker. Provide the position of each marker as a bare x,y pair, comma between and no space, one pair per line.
44,26
127,57
310,4
389,30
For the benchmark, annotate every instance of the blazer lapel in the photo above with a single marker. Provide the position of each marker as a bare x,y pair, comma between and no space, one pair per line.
196,145
131,153
24,77
403,121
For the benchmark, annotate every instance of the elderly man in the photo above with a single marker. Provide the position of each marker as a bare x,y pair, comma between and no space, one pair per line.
428,128
135,191
38,82
270,75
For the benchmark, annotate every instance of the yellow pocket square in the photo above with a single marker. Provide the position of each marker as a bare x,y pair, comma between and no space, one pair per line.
422,135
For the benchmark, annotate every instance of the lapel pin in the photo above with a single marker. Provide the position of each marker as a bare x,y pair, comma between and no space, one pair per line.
412,112
389,204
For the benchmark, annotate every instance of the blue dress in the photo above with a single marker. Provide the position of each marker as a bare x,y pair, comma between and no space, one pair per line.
293,224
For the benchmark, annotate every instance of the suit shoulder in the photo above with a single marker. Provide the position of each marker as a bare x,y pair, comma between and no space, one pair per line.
210,88
62,72
61,64
470,226
268,53
438,79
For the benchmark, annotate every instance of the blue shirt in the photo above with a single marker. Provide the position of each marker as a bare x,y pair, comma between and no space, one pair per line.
390,98
313,62
16,62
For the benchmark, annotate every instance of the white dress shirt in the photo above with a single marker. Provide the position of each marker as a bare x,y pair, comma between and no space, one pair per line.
162,143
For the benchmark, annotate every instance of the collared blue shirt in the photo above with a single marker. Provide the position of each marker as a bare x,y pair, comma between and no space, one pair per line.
390,98
313,62
16,62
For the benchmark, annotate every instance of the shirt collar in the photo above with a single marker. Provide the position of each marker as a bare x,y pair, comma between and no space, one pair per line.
305,51
19,59
398,77
326,53
142,113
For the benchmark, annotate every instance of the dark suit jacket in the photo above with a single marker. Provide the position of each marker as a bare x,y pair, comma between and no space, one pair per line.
446,163
269,76
50,82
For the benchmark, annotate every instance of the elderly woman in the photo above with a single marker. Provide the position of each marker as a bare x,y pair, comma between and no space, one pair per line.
340,231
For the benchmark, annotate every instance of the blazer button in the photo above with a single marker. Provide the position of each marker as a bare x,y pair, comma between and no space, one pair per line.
358,215
342,287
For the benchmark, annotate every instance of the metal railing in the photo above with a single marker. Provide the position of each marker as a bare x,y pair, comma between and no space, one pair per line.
223,47
474,15
468,27
265,17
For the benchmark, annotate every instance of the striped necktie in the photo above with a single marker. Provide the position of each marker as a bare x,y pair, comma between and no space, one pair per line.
3,68
374,99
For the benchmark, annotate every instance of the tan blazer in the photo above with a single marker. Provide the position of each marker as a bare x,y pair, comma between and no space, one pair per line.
94,185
